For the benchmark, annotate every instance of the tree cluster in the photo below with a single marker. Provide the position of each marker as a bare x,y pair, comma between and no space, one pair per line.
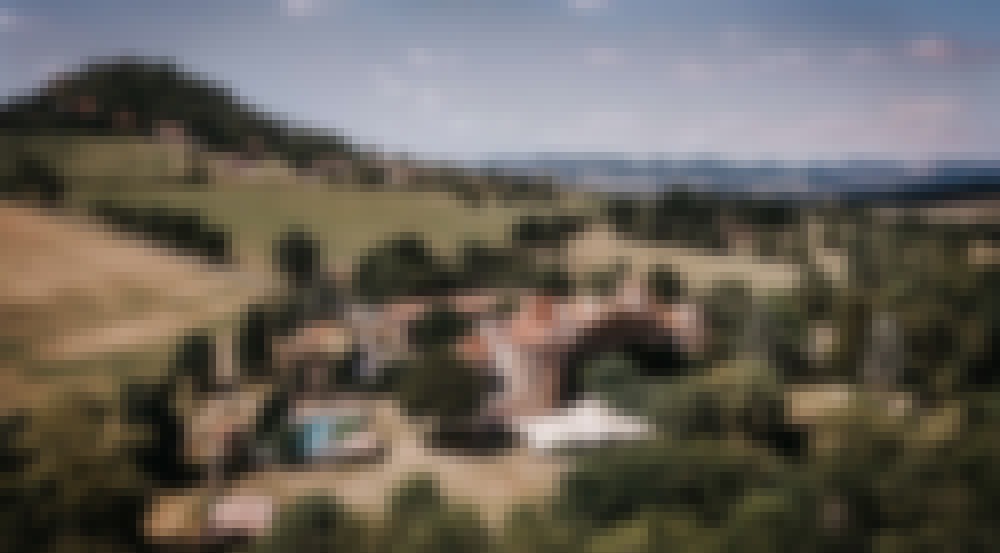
186,232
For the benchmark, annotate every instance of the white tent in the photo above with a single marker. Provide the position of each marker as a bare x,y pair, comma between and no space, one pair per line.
587,422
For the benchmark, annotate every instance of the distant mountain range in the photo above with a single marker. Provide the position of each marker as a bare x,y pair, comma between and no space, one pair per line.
133,95
861,179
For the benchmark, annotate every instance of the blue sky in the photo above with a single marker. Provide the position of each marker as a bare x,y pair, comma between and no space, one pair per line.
457,78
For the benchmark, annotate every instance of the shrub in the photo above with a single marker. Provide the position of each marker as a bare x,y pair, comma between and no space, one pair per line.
666,284
553,281
419,519
150,407
605,282
76,481
297,256
622,213
439,385
533,529
729,307
440,327
534,231
316,524
195,358
36,180
484,266
703,478
404,265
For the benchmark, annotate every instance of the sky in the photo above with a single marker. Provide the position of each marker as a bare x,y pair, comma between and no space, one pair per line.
745,79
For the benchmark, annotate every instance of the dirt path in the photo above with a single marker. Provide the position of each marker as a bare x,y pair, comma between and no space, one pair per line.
492,484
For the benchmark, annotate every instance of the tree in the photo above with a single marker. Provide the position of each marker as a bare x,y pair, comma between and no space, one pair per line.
604,282
851,318
483,266
420,520
316,524
533,529
34,179
703,478
437,384
616,377
729,307
554,281
297,255
404,265
439,328
666,284
623,214
534,231
151,408
195,359
77,488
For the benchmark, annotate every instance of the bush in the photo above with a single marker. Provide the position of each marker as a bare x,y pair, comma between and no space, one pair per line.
533,529
403,266
255,340
444,531
297,256
702,478
440,327
616,377
76,482
184,231
195,359
419,519
36,180
666,284
150,407
483,266
729,307
622,214
316,524
553,281
604,283
534,231
437,384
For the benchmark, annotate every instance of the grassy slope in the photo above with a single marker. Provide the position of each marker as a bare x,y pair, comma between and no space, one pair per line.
82,307
257,207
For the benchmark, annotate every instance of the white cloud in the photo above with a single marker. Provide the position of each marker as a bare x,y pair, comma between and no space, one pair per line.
586,6
299,8
428,99
738,37
932,49
406,92
387,84
9,20
695,72
420,57
604,56
864,57
923,109
608,129
788,59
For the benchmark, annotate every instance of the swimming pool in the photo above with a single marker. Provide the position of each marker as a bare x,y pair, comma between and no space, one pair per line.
323,435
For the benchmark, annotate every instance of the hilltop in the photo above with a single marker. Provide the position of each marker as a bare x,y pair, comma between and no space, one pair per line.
139,98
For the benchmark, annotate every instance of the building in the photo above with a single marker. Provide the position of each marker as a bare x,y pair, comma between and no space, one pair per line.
539,351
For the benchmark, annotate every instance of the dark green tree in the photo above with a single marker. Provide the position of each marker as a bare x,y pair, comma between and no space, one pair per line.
441,327
76,487
666,284
298,256
316,524
404,265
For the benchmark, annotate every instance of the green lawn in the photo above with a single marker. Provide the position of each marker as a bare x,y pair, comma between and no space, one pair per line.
258,207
